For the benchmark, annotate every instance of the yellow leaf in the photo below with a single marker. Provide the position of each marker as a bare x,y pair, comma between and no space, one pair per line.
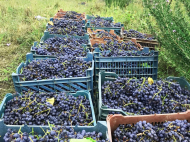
150,81
51,101
50,22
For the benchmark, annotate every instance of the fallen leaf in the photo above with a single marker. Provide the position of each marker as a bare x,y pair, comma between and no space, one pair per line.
50,22
51,101
150,81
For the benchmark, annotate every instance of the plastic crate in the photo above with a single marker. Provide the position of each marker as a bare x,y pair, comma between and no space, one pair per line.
92,33
47,35
51,19
88,17
117,30
104,39
147,64
101,126
37,56
143,42
113,121
71,84
85,93
99,40
110,76
61,13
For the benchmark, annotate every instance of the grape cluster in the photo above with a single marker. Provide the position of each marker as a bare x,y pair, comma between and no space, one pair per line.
54,134
72,15
61,67
60,46
66,27
115,48
136,34
97,21
171,131
142,98
35,109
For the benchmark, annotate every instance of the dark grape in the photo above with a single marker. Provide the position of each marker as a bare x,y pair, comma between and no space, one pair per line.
72,15
34,109
104,34
62,46
61,67
136,34
115,48
98,21
139,97
67,27
55,134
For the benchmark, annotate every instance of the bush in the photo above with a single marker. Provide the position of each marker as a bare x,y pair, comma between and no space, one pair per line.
173,34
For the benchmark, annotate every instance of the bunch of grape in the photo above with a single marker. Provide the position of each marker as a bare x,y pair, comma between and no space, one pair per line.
97,21
72,15
171,131
55,134
66,27
60,46
115,48
139,97
35,109
136,34
61,67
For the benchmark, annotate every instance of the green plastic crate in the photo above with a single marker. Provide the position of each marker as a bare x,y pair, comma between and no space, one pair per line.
47,35
101,126
51,19
147,64
88,17
71,84
110,76
37,56
4,127
117,30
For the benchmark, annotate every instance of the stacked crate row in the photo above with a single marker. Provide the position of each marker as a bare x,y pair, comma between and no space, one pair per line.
75,86
103,69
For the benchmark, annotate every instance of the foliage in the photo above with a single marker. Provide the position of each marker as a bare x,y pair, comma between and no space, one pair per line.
173,33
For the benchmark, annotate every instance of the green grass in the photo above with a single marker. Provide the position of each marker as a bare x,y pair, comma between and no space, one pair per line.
21,29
